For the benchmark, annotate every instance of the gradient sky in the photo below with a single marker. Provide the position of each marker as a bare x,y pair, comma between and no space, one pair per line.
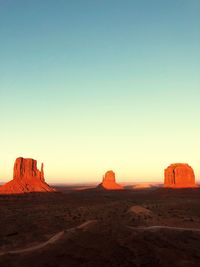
88,86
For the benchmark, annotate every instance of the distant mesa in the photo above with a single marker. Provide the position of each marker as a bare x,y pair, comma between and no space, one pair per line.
179,175
145,185
109,183
26,178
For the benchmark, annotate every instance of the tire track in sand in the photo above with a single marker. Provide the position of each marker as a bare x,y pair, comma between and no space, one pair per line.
52,240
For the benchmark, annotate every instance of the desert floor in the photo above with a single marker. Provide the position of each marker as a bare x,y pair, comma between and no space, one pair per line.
97,228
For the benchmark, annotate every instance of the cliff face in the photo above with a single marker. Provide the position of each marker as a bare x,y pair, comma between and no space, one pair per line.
109,182
179,175
26,169
26,178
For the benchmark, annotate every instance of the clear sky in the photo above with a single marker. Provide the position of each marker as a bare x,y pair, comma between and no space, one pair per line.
88,86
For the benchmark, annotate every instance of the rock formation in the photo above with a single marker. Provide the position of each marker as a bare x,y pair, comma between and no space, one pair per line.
179,175
109,182
26,178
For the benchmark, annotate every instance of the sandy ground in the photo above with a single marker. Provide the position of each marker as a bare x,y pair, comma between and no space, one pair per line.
52,240
136,228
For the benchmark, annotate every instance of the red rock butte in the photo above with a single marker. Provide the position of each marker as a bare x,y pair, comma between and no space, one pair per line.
179,175
26,178
109,182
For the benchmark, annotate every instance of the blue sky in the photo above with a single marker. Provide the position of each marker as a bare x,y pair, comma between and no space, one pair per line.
87,86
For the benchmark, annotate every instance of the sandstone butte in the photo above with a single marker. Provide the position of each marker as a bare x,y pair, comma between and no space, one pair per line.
179,175
109,183
26,178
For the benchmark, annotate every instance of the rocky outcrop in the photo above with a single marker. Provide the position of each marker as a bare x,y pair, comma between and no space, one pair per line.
26,178
109,182
179,175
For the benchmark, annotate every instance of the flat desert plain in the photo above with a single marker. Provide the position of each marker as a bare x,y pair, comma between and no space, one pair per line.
91,227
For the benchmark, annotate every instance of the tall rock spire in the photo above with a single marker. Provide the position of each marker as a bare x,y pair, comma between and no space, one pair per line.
109,182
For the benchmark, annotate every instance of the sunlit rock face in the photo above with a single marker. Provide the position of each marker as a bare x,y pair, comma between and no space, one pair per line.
179,175
26,178
109,182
